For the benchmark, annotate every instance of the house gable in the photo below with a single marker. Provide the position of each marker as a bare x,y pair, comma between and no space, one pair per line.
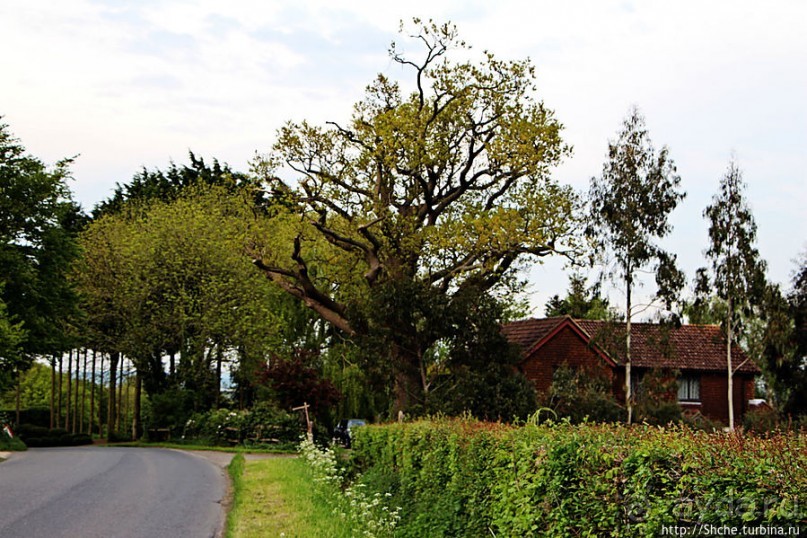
566,344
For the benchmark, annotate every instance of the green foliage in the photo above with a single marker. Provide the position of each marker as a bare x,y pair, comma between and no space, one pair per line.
168,185
260,426
172,278
11,444
39,436
581,395
738,272
431,192
38,222
785,344
630,206
363,511
657,398
467,478
580,302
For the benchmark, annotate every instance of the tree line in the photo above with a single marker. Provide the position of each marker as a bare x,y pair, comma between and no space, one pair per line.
365,266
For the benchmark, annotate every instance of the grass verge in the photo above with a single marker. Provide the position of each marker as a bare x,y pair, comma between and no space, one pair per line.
276,497
11,444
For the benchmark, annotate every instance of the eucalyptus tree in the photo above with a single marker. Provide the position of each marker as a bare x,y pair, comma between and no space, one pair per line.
629,208
443,188
738,273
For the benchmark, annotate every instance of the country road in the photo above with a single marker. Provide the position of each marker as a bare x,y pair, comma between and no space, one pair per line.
86,492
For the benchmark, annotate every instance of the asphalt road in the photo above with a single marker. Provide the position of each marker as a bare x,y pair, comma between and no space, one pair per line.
110,492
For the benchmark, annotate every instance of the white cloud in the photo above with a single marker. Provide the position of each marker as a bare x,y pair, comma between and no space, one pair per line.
133,84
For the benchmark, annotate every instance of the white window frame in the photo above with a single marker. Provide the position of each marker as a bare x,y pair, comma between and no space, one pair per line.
689,388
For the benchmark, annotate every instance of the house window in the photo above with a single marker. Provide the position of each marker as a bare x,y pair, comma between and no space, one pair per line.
689,388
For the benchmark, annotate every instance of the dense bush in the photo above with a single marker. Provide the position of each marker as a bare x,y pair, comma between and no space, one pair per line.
466,478
11,444
261,425
761,420
39,436
657,398
582,395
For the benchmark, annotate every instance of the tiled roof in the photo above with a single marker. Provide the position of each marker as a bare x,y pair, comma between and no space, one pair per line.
527,332
689,347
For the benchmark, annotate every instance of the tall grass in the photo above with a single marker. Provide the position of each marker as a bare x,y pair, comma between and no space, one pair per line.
277,497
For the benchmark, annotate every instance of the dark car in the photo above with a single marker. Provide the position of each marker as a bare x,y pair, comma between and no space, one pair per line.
342,431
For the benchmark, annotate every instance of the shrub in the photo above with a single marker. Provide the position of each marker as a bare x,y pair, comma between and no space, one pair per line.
37,436
582,395
11,444
761,420
263,425
467,478
657,401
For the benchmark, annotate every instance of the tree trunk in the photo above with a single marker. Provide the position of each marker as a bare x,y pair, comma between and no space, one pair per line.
408,389
83,394
112,416
52,389
19,389
67,423
217,391
92,396
59,407
76,397
120,420
628,387
101,399
137,428
729,327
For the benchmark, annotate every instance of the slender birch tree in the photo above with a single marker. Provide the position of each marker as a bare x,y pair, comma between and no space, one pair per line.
738,272
629,208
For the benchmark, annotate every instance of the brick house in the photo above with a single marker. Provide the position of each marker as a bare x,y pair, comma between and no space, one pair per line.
696,352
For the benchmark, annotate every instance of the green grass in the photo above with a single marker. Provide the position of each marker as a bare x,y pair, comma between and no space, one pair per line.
276,497
8,444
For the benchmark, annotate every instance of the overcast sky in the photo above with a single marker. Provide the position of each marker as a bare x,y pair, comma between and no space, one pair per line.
125,85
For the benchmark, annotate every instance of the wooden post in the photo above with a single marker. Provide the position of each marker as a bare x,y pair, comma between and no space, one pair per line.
308,423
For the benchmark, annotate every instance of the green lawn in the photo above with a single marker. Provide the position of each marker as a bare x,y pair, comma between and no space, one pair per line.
275,497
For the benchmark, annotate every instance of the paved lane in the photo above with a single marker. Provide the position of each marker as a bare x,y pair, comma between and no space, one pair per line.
110,492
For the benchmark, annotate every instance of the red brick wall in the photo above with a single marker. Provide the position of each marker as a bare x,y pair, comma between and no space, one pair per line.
566,347
714,392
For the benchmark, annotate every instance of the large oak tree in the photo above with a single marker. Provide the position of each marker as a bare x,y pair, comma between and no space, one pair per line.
438,189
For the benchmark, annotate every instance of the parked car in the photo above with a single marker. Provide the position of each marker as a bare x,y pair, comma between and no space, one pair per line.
342,431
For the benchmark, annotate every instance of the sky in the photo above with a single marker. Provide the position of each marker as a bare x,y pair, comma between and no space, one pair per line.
127,85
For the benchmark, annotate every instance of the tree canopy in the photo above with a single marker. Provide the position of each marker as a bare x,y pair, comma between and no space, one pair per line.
38,223
580,302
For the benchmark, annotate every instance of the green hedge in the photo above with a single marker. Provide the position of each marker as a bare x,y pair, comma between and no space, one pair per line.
467,478
39,436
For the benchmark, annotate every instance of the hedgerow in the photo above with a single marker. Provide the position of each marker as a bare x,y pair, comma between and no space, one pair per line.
468,478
